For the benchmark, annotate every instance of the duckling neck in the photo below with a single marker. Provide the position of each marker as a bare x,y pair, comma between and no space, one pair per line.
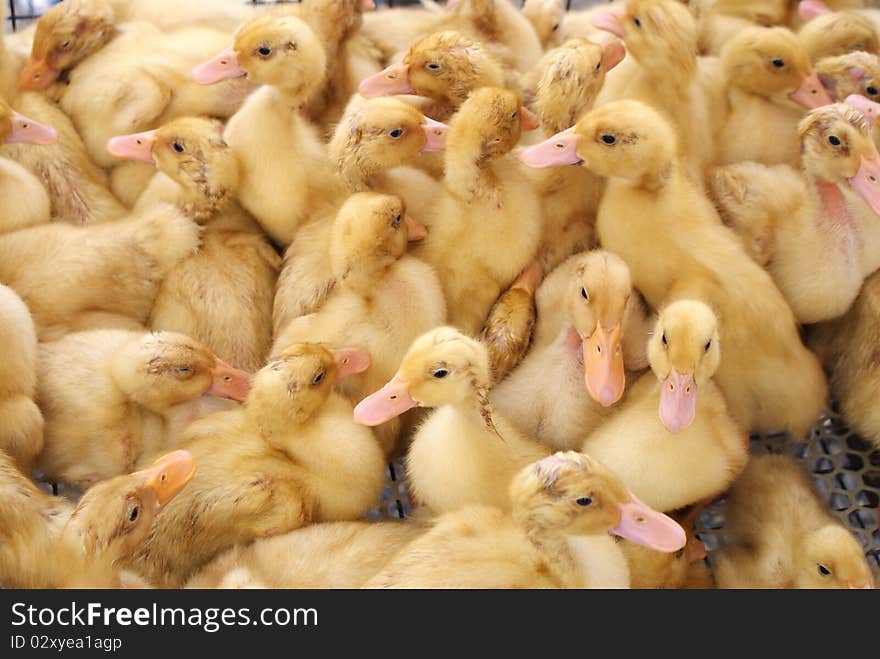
477,409
581,561
203,205
470,177
363,278
832,206
666,175
292,99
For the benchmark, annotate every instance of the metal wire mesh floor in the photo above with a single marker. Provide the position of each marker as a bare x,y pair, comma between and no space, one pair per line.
845,469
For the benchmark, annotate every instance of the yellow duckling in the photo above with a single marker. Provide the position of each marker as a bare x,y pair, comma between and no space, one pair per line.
110,396
851,73
770,380
199,172
464,452
50,543
783,536
290,456
818,230
23,199
487,225
383,298
585,358
569,79
769,83
285,173
847,345
565,509
444,67
331,555
829,33
21,423
547,18
686,453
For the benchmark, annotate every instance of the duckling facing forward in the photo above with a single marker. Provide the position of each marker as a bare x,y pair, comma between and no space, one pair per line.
669,450
566,507
783,536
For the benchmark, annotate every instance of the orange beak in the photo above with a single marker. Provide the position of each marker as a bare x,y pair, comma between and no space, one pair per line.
169,475
603,365
36,76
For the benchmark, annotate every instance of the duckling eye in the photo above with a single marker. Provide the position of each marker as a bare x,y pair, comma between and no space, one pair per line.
133,515
637,22
433,66
872,90
824,571
778,63
663,338
708,345
556,27
183,370
318,378
609,139
585,295
441,373
397,132
834,140
598,65
513,116
264,51
396,222
584,501
177,146
65,45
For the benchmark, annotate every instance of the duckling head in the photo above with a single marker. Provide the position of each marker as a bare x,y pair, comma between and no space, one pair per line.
595,302
571,493
371,231
852,73
771,62
684,352
269,50
162,369
623,139
830,557
546,17
571,78
17,128
441,367
66,33
827,33
114,517
837,147
291,389
382,133
660,34
489,124
190,151
444,66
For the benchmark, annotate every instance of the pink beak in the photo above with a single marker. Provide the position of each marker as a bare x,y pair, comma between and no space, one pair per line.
678,401
645,526
28,131
603,365
414,230
350,361
863,586
811,94
528,119
610,21
810,9
137,146
390,401
368,5
390,81
435,135
866,106
222,66
561,149
229,382
613,53
866,183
